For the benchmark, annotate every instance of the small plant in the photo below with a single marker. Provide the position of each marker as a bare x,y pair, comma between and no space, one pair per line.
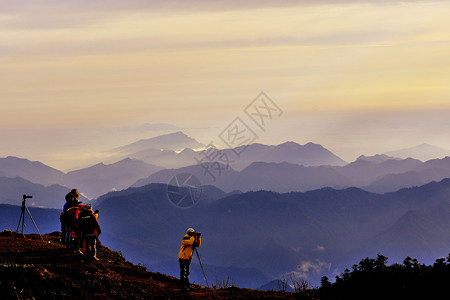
300,285
226,283
120,253
283,284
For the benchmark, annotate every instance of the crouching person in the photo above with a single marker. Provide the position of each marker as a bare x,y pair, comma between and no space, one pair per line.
90,230
191,240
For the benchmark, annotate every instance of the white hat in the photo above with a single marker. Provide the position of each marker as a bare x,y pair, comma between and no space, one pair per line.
190,230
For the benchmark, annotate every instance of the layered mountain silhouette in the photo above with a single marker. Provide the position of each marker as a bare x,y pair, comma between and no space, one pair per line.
53,196
92,182
309,154
33,171
130,163
169,150
102,178
379,174
422,152
281,168
172,141
179,153
280,233
311,234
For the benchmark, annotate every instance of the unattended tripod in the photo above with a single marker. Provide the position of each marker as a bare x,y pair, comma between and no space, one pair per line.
22,216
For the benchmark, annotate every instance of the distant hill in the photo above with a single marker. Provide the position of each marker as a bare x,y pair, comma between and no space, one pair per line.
175,150
101,179
309,154
377,159
171,141
408,173
379,174
132,164
364,171
33,171
279,177
422,152
277,285
47,220
282,177
218,173
314,233
53,196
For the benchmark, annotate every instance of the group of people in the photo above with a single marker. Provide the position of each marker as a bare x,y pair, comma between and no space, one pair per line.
80,230
79,226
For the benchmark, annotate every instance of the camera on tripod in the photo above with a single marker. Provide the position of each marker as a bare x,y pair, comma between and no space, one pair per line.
24,209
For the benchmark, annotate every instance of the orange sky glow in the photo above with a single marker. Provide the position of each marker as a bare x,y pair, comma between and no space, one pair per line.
355,76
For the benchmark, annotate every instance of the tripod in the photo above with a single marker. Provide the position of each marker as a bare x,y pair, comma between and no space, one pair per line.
198,256
22,216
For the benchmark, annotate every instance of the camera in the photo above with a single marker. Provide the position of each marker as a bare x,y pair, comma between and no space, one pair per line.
26,197
198,234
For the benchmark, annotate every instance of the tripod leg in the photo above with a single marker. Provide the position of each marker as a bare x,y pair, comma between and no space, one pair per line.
204,275
21,220
34,224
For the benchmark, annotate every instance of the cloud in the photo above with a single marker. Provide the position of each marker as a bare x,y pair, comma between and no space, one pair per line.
155,127
320,248
310,267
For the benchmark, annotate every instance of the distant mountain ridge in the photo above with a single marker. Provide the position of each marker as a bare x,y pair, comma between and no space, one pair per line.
141,159
285,167
379,174
309,154
12,189
172,141
101,179
162,151
422,152
34,171
310,233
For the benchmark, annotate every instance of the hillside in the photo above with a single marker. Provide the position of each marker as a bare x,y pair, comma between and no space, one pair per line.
32,269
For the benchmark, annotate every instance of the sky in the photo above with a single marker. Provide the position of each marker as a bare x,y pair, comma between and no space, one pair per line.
78,78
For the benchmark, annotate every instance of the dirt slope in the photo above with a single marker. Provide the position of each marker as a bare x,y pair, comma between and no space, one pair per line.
33,269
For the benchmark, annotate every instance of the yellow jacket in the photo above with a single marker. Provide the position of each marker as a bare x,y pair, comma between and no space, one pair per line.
187,249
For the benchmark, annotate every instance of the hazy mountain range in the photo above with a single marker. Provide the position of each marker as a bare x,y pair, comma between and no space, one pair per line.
281,168
12,190
264,213
260,236
378,174
309,233
422,152
34,171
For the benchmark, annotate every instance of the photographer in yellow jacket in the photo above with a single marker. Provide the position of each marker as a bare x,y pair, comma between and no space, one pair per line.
189,242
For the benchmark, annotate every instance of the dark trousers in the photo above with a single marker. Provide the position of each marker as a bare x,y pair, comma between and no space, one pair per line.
91,246
184,273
